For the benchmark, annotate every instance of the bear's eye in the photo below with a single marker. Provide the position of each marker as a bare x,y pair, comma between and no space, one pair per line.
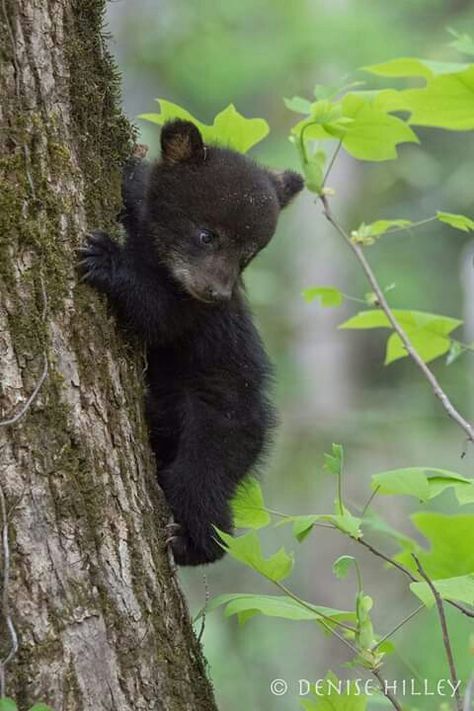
206,237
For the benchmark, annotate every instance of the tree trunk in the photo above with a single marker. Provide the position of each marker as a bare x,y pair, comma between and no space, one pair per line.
100,619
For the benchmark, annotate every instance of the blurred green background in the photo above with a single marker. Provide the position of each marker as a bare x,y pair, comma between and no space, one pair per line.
331,386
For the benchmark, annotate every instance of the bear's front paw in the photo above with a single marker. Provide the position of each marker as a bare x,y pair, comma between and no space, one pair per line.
98,260
186,551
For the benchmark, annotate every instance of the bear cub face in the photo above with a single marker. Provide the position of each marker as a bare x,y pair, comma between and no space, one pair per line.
210,210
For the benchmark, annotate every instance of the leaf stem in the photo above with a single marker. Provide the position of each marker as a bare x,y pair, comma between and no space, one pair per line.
331,163
310,607
411,226
283,515
400,624
369,501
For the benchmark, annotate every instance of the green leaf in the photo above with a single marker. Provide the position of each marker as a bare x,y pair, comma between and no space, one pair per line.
328,295
387,100
455,351
303,525
345,522
414,67
373,522
446,102
463,42
310,129
283,606
427,332
229,128
374,134
427,344
334,462
322,91
326,121
460,588
233,130
41,707
465,494
460,222
248,506
365,636
7,704
342,565
325,112
376,229
313,168
440,479
367,319
169,111
422,482
451,552
298,105
247,550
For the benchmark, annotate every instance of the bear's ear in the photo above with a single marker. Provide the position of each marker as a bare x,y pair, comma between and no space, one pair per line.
287,184
181,142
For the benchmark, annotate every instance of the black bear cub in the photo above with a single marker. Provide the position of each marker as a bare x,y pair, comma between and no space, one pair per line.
194,220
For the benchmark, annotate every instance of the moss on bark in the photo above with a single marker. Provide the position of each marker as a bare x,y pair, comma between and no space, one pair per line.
101,620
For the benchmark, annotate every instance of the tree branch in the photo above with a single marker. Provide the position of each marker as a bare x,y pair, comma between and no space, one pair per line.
382,302
444,629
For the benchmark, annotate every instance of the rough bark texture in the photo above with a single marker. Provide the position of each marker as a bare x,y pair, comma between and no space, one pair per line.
100,618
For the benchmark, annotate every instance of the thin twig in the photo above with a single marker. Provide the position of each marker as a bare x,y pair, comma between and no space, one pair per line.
385,691
204,608
374,671
383,304
331,163
407,228
310,607
325,623
444,630
400,624
283,515
342,639
408,573
369,501
386,558
379,554
13,420
4,603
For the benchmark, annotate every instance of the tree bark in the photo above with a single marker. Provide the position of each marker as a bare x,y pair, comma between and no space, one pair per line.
100,619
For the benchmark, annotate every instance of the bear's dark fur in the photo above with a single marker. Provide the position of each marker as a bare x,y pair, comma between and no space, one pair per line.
194,220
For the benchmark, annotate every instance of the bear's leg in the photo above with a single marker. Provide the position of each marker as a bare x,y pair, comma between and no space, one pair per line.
217,447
